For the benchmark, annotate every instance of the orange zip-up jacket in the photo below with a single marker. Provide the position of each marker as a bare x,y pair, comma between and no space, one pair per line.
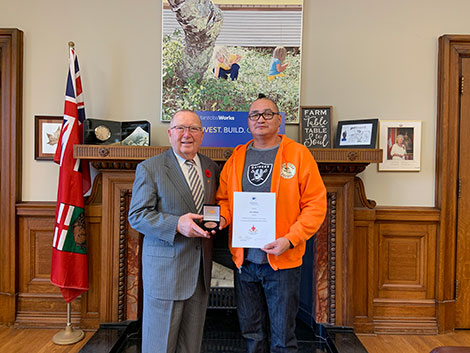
300,199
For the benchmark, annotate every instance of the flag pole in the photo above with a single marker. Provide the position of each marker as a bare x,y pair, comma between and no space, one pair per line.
69,335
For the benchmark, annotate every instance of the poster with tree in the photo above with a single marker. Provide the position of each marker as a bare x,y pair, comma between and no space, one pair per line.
218,55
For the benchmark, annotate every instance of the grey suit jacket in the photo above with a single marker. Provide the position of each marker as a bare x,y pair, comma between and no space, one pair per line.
160,195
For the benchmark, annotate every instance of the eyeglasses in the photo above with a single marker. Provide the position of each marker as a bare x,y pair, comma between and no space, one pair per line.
265,115
192,129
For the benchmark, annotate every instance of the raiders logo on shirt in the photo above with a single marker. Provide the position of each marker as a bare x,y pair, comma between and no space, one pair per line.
258,173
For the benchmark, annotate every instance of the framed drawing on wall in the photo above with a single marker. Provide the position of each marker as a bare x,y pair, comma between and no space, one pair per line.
46,136
400,142
356,133
315,126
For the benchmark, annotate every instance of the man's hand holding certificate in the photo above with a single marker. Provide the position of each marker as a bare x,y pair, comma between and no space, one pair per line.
277,247
254,219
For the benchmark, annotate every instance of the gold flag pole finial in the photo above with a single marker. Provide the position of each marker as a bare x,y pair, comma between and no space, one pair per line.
71,44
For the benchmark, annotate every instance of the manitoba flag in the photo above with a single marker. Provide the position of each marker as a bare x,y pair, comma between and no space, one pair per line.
69,269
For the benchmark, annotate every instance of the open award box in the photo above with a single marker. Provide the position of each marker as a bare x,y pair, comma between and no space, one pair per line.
109,132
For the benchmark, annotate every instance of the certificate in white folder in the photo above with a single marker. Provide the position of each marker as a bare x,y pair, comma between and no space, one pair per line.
254,219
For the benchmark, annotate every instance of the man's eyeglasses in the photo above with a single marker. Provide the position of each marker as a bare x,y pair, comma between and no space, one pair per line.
265,115
192,129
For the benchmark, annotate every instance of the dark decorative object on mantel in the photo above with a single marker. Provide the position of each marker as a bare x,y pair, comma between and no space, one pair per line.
101,132
108,132
135,133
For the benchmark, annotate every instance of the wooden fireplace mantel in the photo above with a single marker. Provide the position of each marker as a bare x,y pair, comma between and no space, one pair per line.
118,247
140,153
330,160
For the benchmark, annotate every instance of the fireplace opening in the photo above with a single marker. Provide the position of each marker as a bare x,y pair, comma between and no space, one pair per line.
222,294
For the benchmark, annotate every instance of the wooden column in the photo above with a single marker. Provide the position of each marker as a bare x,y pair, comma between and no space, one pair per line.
11,104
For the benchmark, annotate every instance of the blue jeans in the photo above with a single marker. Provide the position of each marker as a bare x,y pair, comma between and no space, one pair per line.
232,72
267,297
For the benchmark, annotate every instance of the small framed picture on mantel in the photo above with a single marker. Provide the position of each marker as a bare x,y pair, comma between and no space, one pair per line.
315,128
356,133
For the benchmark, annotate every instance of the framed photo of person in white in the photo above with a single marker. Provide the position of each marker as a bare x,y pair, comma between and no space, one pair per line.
400,142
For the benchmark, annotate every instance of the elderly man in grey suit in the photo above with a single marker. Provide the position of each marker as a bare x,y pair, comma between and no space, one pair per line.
167,197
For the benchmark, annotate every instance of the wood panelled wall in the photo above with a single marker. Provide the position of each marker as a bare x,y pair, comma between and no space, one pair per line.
396,270
394,266
38,303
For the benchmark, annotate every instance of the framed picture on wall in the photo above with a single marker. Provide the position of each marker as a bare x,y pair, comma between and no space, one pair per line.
315,128
228,76
400,142
356,133
46,136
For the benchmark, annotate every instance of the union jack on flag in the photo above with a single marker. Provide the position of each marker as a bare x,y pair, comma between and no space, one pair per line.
69,269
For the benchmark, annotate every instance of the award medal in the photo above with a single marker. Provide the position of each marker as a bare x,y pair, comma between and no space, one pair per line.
102,133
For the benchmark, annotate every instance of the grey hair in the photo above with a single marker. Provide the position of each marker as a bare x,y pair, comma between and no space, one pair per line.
184,111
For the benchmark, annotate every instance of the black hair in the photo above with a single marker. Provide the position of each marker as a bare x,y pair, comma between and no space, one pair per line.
263,96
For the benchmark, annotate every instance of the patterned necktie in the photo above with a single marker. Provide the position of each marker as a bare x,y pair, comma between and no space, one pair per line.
195,185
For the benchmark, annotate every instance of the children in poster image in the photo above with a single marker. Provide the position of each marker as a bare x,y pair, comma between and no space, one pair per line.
226,64
277,67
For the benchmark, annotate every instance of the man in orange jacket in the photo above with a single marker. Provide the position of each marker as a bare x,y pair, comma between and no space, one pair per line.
268,279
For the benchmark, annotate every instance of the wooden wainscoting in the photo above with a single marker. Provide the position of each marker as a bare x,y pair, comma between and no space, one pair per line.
395,272
39,303
393,269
